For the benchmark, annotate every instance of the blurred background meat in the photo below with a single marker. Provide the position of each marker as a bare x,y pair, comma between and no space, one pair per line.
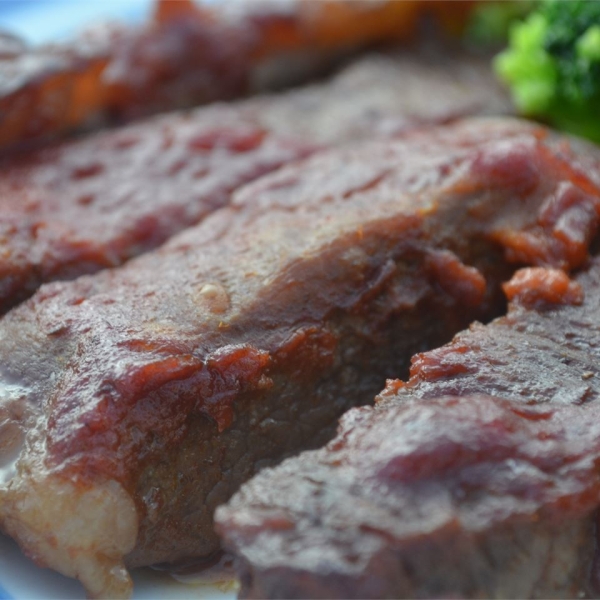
185,54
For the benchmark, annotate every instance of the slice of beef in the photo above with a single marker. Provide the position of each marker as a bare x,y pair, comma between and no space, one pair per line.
477,478
183,56
96,202
137,400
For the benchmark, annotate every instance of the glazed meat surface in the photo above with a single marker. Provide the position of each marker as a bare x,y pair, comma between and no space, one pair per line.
96,202
476,478
137,400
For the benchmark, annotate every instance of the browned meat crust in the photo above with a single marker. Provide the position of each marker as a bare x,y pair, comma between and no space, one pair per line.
185,55
96,202
137,400
476,478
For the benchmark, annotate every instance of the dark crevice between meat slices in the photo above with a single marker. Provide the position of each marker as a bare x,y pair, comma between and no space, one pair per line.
478,477
137,400
94,203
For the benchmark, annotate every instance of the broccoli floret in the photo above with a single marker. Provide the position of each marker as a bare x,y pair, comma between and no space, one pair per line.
552,65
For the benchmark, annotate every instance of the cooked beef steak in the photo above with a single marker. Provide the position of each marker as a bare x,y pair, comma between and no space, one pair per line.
478,478
176,58
136,400
96,202
184,55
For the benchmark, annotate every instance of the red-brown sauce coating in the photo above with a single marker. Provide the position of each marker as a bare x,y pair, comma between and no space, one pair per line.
177,375
97,202
140,341
115,312
490,449
536,287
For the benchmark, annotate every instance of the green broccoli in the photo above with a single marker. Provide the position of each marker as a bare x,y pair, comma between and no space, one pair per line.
552,65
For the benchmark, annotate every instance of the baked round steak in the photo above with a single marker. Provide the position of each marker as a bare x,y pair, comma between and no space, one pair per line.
476,478
135,401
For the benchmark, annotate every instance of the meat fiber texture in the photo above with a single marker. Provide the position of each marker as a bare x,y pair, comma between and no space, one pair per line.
96,202
136,400
477,478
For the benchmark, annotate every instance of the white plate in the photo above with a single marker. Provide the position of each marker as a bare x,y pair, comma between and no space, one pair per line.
21,579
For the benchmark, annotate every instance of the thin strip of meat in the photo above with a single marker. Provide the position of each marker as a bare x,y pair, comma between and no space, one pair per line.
95,202
477,478
137,400
185,55
111,70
